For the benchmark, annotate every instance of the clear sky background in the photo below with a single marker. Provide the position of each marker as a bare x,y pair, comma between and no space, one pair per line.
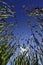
23,31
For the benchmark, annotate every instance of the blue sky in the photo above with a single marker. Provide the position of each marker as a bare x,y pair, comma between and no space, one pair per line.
23,30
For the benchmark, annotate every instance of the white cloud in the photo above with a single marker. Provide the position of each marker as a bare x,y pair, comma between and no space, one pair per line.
22,50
